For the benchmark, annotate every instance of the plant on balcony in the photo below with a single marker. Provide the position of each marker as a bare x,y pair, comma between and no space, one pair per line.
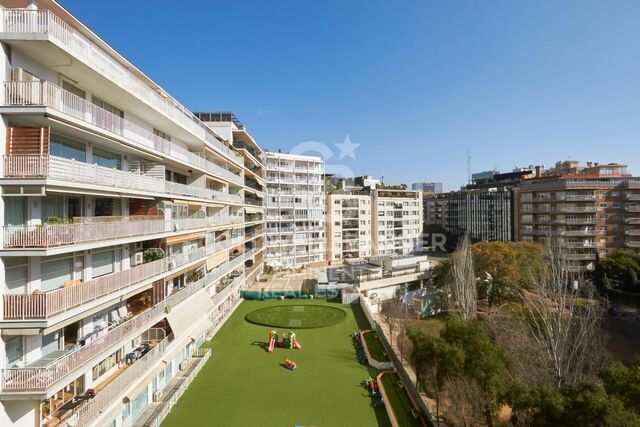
153,254
55,219
194,276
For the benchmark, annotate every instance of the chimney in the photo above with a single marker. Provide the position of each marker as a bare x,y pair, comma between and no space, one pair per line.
596,164
537,172
589,164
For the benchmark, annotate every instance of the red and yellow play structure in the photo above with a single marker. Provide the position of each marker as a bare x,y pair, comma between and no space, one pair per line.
288,341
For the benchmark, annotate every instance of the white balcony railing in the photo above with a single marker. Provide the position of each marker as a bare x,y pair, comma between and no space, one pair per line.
25,166
39,379
45,23
46,94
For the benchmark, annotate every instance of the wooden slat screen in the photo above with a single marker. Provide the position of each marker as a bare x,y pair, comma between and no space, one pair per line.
28,141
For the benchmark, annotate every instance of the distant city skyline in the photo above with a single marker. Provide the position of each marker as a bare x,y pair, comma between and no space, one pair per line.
413,84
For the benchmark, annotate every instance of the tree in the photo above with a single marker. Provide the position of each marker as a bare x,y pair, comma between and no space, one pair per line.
620,270
462,280
563,314
392,311
623,382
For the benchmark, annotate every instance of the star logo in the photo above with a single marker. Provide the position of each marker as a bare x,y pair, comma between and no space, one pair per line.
347,148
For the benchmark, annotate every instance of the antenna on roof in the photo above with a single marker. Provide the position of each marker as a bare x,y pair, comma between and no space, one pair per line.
468,165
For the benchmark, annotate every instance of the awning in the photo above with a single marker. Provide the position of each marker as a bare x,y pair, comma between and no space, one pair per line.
184,238
185,315
216,179
23,331
218,259
183,271
250,210
179,202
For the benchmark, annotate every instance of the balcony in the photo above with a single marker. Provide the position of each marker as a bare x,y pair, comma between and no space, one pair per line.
581,257
41,24
34,166
632,220
40,379
43,306
576,209
586,232
201,193
632,243
45,94
577,197
634,232
632,208
632,196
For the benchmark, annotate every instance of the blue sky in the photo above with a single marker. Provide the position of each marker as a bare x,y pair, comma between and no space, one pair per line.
413,82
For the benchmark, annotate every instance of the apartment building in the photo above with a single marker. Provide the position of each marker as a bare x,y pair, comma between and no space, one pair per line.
396,224
129,226
427,187
591,210
348,225
484,209
294,210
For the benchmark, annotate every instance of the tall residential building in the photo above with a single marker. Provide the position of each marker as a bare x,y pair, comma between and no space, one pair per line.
295,210
129,226
396,227
348,225
591,210
427,187
484,209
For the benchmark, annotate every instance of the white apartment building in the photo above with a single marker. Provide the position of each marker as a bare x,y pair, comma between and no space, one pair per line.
129,226
348,226
396,221
295,214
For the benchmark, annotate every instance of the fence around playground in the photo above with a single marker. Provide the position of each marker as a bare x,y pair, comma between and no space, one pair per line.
267,295
397,363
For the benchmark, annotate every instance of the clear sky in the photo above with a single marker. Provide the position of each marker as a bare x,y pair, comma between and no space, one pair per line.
413,82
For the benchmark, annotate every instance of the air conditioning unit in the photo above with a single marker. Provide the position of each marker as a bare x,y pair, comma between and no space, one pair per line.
183,365
157,396
137,258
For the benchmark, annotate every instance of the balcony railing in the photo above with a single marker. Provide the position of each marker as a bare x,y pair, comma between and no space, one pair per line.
39,379
91,229
29,166
44,22
46,94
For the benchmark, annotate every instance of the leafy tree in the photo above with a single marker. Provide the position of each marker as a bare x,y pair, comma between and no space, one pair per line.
620,270
623,382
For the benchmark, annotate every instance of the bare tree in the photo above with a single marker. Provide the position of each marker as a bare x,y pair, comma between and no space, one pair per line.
564,316
463,281
391,312
464,402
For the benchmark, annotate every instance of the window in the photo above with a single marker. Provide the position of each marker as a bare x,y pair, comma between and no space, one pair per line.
55,273
15,210
161,134
67,149
13,350
102,263
73,89
106,106
16,275
107,207
106,158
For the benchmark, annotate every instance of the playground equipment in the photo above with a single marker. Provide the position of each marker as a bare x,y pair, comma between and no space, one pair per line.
273,338
288,341
290,364
371,386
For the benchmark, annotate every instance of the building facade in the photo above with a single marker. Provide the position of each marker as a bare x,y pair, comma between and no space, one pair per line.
591,210
348,226
295,210
427,187
396,224
484,209
129,226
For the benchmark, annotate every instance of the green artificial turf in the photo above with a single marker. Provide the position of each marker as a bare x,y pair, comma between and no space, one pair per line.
375,347
244,385
298,316
399,401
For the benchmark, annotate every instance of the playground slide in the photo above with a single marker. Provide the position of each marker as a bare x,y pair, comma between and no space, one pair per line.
295,344
272,343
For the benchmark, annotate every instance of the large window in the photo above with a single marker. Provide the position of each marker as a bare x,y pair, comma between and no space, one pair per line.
107,207
106,106
102,263
73,89
55,273
66,148
13,350
106,158
16,274
15,210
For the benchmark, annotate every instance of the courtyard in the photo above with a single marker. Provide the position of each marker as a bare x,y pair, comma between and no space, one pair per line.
245,385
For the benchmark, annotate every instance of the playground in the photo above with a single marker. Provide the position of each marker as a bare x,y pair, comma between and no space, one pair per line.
280,375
